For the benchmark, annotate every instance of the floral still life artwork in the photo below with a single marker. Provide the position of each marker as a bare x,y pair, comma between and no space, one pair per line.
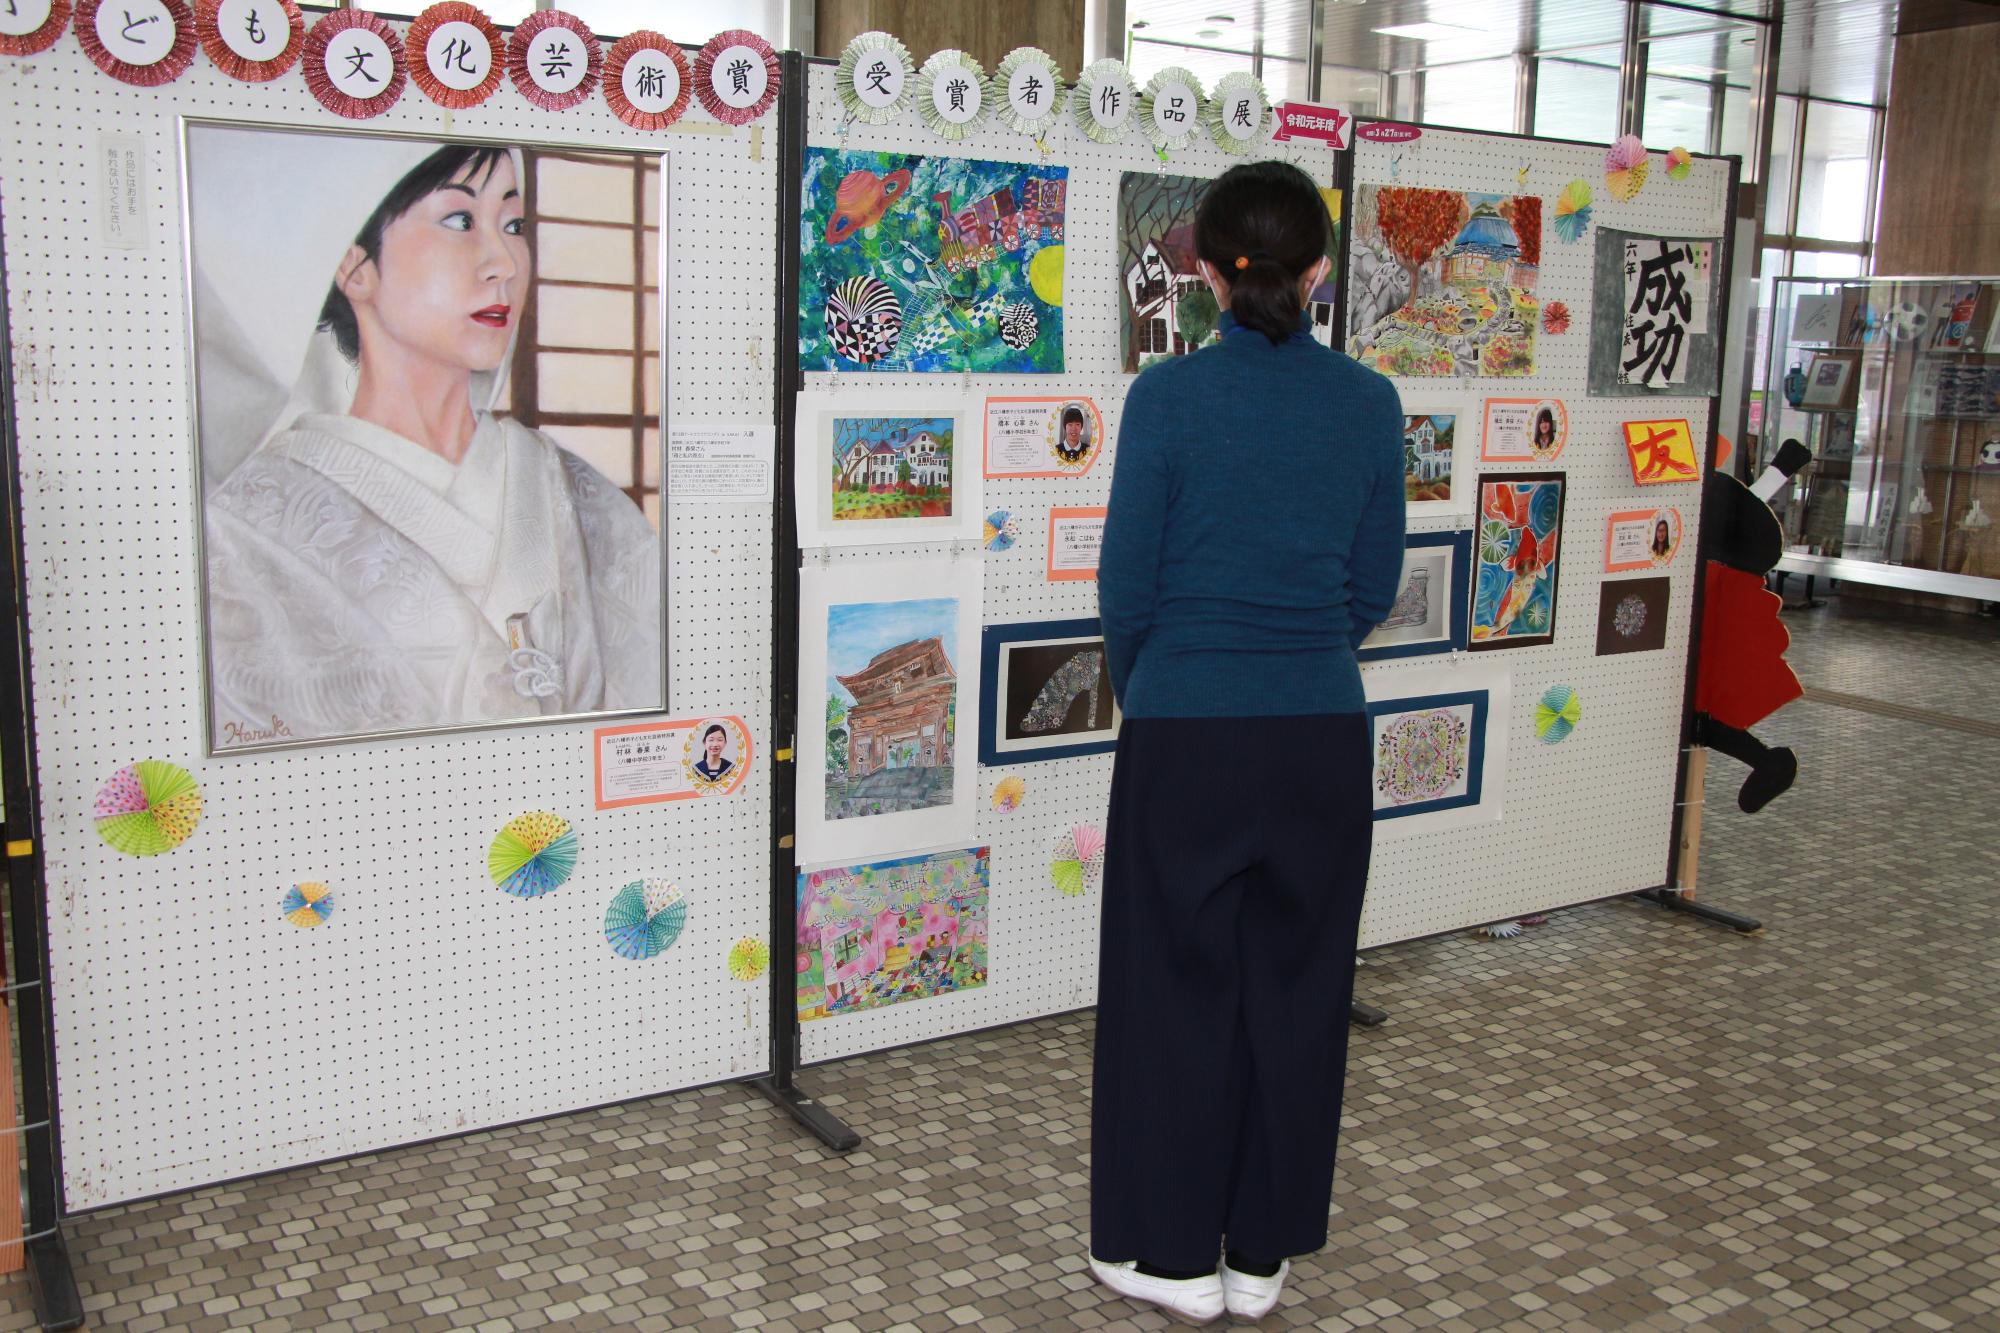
884,932
915,263
1442,282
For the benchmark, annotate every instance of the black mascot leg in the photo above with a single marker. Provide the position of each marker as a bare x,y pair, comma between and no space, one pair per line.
1771,770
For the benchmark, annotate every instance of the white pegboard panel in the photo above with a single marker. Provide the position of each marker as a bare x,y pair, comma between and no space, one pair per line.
1591,816
199,1037
1042,946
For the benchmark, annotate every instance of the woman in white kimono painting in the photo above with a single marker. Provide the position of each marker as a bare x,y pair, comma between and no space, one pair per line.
394,554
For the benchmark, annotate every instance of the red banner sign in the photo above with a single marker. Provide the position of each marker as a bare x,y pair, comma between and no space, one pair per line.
1303,120
1383,131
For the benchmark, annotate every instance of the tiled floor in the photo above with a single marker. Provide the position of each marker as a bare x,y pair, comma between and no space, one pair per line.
1624,1119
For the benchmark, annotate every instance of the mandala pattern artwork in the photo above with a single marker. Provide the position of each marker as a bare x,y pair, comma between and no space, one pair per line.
1630,617
1422,756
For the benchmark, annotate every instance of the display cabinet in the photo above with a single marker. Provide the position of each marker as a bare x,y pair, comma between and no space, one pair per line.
1894,384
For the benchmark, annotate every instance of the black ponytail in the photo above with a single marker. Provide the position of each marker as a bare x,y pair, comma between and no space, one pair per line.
1270,216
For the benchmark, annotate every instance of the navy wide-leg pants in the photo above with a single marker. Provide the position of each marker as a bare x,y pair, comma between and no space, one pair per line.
1236,859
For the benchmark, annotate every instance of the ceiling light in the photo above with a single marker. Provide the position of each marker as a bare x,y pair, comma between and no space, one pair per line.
1208,34
1430,32
1220,18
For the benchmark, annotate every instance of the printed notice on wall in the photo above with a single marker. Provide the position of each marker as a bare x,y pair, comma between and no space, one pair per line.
670,761
121,174
1041,437
1076,536
721,460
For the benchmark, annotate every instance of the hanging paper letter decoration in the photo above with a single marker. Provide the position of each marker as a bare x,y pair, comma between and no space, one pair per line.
29,27
647,82
1027,91
353,63
736,76
141,42
1103,101
458,54
1170,108
251,40
554,59
1238,114
951,94
872,78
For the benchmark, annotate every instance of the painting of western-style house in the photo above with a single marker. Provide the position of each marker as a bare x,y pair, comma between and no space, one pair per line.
891,467
891,707
888,931
1427,447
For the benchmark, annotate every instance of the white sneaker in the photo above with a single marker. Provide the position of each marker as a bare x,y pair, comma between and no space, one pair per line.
1196,1299
1251,1297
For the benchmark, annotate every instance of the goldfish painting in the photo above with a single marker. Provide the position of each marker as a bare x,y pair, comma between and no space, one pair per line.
1520,525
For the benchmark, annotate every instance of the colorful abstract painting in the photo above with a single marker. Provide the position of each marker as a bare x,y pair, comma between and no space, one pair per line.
884,932
1165,308
915,263
891,706
1442,282
1514,584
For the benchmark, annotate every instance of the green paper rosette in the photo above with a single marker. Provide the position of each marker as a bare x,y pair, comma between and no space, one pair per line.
1170,108
1238,114
1104,102
1027,91
951,94
874,78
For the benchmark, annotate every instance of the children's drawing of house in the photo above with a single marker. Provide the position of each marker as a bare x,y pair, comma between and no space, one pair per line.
1154,286
902,705
929,464
877,465
854,467
1424,458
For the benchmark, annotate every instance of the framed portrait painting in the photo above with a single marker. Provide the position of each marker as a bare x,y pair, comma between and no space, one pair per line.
1045,692
427,432
1429,615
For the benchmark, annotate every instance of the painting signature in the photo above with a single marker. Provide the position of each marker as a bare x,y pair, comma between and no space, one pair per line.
243,733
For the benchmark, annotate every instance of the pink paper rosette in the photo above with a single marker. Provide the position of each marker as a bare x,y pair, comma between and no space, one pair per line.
614,80
321,83
419,42
42,38
165,70
521,44
704,77
206,14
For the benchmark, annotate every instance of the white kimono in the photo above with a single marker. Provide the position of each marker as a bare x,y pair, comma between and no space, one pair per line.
358,584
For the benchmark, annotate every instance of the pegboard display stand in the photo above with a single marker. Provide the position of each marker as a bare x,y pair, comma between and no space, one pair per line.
1617,771
202,1038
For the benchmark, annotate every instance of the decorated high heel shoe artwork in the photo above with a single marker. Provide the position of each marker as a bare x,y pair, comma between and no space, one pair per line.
1082,672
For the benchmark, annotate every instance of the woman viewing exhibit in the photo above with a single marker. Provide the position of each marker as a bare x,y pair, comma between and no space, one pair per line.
387,548
1255,536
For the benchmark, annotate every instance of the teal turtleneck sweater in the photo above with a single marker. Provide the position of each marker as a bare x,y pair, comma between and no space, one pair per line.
1256,529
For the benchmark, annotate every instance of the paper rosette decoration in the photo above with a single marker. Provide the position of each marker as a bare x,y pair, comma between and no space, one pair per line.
308,904
252,60
1027,91
951,94
1104,102
645,918
1001,531
1170,82
717,92
873,78
1220,116
1625,165
160,56
445,81
534,853
554,59
1557,714
20,40
320,80
1008,793
1573,211
148,808
1555,318
628,74
1680,162
748,958
1079,861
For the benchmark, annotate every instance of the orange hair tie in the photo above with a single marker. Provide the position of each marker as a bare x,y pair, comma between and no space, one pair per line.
1242,262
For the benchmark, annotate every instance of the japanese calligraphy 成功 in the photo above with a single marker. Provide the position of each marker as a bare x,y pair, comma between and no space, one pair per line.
1666,300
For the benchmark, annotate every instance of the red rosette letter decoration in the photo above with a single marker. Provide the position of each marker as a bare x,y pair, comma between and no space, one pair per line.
29,27
554,59
251,40
736,76
145,43
647,81
354,64
455,54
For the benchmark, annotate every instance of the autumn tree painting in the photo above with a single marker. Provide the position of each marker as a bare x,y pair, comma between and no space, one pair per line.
1418,223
